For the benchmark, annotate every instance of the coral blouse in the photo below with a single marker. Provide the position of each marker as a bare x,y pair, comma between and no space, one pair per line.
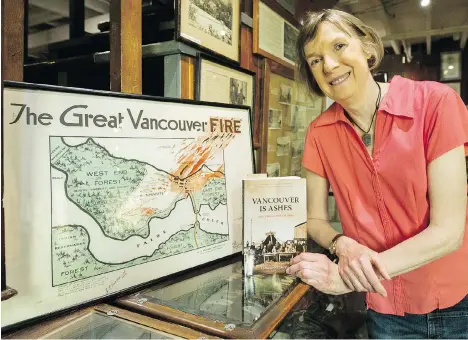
383,200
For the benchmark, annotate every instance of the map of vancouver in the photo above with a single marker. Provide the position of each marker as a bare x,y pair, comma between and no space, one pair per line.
111,211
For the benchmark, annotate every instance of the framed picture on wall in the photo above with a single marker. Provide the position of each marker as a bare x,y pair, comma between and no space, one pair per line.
213,25
450,66
275,32
221,82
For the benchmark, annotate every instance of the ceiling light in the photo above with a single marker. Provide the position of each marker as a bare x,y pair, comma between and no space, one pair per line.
425,3
450,67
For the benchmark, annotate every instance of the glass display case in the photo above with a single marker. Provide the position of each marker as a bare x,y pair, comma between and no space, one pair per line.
105,322
222,301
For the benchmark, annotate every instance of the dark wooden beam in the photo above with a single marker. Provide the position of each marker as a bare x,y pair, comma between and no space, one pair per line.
12,40
125,46
25,30
12,69
77,18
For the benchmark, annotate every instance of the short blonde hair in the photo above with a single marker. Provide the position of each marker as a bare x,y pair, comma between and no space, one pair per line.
348,24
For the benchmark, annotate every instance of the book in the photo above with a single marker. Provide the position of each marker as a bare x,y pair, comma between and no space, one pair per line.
274,222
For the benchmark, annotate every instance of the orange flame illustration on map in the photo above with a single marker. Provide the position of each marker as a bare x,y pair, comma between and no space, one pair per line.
192,156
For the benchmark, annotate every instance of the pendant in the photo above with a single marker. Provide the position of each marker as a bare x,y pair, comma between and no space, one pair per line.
366,139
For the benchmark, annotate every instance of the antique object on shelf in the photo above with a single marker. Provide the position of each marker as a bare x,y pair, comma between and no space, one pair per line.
213,25
287,113
275,32
105,191
221,300
224,83
106,322
450,66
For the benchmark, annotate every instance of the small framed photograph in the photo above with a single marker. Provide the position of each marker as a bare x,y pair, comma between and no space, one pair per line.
273,169
450,66
297,148
275,31
275,119
222,82
283,146
213,25
285,94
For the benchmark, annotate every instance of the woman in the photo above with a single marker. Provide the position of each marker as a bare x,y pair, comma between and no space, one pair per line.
394,157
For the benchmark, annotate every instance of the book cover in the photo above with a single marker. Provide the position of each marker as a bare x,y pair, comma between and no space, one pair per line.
275,216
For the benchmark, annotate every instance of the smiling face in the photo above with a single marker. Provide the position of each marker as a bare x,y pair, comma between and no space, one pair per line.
338,63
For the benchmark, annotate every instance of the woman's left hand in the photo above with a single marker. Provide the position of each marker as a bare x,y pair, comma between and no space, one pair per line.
358,266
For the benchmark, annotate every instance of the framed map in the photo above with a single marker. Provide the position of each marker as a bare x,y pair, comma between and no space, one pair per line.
214,25
105,191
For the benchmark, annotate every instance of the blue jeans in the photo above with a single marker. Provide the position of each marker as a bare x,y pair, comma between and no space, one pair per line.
444,323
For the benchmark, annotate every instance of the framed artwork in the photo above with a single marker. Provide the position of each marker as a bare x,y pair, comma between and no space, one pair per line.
214,25
287,113
224,83
222,301
105,322
275,32
455,86
450,66
106,191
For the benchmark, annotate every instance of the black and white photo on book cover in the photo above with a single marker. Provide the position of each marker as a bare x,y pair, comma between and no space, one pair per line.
274,223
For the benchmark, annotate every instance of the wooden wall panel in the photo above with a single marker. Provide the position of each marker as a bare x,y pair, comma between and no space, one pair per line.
125,46
12,69
12,40
187,68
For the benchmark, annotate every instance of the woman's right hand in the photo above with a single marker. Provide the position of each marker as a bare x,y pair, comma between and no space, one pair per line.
359,266
318,271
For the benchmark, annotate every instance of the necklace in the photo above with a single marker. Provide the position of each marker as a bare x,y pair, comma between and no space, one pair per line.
366,137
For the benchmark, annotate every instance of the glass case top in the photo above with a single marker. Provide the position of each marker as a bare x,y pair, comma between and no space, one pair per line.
223,294
95,325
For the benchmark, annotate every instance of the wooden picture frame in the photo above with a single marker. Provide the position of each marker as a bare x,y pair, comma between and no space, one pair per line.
274,32
225,326
221,82
85,322
450,66
216,30
89,145
284,94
